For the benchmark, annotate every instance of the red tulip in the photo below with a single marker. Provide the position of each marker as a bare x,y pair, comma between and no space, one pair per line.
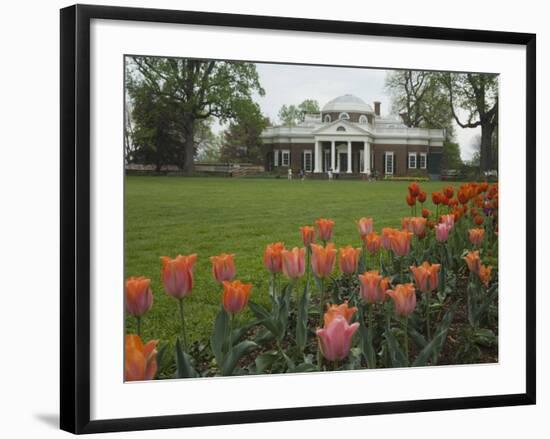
411,200
422,196
414,189
449,191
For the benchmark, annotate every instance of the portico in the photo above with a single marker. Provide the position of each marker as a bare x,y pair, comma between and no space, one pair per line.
342,155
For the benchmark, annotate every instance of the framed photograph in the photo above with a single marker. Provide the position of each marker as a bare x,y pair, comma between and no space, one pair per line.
259,212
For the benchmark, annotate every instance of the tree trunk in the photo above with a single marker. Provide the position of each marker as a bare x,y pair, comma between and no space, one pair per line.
486,147
189,145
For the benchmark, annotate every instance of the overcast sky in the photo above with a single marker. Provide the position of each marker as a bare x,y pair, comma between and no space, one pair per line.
291,84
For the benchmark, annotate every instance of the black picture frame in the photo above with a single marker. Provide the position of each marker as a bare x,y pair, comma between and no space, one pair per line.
75,217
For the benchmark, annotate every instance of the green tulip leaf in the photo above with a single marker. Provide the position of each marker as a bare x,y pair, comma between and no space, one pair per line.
235,354
184,369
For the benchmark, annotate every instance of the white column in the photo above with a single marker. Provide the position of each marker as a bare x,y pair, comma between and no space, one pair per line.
333,155
349,157
318,157
366,158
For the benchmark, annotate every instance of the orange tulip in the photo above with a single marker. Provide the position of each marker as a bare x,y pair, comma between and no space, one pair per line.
447,219
294,264
140,361
322,259
485,274
308,235
436,198
349,258
404,299
476,236
223,267
426,276
325,228
473,261
373,287
478,220
177,275
273,257
364,226
235,296
373,242
418,226
406,223
400,242
387,233
138,297
339,310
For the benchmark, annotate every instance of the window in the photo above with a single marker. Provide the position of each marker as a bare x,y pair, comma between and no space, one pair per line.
343,116
363,119
412,160
276,157
422,160
308,161
340,129
285,157
388,165
327,118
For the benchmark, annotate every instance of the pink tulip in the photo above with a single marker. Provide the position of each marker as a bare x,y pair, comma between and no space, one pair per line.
442,232
364,226
448,219
335,340
294,264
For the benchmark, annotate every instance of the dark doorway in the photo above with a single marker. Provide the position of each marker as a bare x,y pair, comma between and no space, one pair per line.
343,157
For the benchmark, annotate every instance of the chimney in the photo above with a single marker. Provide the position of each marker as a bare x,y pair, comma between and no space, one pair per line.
377,108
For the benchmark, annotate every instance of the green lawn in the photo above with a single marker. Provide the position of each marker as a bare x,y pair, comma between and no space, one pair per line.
166,216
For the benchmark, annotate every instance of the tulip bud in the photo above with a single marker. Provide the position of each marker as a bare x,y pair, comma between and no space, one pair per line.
223,267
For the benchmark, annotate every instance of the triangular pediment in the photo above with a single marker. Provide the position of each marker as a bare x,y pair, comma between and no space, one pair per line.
337,128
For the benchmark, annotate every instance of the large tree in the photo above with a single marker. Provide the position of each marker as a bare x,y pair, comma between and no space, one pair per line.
241,141
191,91
476,95
292,115
419,98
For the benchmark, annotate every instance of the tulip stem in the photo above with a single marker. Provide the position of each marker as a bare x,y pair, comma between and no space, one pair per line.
138,324
427,297
406,329
183,325
321,300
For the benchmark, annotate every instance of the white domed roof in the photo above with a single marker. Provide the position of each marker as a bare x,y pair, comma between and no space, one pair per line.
348,103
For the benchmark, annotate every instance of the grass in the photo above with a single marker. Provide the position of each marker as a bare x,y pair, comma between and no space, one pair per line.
166,216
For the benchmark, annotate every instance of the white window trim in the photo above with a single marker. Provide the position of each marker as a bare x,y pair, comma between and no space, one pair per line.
412,155
342,114
327,118
341,128
283,153
310,153
386,163
276,157
424,156
363,120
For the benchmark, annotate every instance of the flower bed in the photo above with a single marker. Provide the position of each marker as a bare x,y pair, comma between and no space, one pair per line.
425,294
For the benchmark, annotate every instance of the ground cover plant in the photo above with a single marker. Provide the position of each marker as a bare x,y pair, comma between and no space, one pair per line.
398,274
